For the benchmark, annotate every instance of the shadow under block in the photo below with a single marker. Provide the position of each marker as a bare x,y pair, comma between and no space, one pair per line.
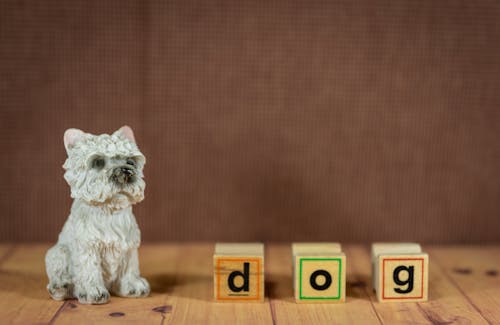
400,272
239,272
319,271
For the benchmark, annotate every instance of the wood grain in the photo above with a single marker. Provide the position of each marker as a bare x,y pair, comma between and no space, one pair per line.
464,288
181,284
357,309
159,264
446,303
397,312
475,271
23,297
5,251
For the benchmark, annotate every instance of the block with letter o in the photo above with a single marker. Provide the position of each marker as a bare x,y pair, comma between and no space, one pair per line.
319,273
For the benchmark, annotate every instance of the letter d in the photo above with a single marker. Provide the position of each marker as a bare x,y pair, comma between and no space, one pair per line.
246,279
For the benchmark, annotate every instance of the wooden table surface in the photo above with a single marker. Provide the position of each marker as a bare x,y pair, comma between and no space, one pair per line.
464,287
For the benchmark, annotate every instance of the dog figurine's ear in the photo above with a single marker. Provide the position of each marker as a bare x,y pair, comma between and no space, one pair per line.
71,137
125,132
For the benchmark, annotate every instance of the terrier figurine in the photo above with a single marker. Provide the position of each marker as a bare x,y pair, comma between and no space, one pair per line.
96,253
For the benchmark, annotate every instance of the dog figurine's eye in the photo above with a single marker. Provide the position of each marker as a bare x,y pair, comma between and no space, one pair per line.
98,163
131,162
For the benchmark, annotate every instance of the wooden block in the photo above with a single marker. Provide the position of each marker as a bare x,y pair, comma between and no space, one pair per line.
319,272
390,248
400,272
239,272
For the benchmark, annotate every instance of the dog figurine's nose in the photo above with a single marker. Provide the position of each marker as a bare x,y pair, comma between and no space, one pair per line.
127,171
123,175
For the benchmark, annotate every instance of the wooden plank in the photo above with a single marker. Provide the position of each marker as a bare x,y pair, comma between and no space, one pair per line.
446,304
181,285
357,309
193,296
6,251
475,271
23,297
159,265
388,313
464,288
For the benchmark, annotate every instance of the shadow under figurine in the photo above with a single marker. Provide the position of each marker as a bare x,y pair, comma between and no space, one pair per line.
96,253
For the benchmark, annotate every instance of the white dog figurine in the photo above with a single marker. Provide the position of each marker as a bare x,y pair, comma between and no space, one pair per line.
97,249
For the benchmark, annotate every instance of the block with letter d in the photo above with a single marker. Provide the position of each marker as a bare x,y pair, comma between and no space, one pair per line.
400,272
239,272
319,272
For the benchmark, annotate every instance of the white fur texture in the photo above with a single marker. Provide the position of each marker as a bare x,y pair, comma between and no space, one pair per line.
96,253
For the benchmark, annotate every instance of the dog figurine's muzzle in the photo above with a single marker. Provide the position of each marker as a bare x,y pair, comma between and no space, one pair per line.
123,175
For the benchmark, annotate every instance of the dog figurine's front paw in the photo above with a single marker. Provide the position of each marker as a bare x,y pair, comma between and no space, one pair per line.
59,291
93,295
134,287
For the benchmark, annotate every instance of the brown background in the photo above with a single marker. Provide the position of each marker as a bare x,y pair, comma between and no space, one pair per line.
261,120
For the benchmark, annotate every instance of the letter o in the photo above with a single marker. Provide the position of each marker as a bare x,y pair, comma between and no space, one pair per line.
324,286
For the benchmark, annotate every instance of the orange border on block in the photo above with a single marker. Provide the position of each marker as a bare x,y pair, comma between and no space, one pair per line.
257,260
402,259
